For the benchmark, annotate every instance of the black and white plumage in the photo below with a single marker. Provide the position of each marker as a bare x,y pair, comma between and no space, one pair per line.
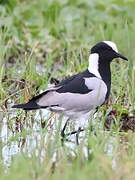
78,94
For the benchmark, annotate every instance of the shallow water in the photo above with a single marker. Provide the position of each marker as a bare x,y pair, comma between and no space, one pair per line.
14,140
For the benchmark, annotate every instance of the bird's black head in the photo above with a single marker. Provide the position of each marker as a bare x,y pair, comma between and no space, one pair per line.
107,51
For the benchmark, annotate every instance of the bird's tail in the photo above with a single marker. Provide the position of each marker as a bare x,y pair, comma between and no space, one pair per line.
31,105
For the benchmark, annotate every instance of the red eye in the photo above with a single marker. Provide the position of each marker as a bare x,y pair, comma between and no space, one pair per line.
110,49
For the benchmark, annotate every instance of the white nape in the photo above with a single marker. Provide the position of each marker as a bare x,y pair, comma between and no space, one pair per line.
112,45
93,64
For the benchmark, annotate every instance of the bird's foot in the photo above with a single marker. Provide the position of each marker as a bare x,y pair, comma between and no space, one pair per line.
71,133
77,135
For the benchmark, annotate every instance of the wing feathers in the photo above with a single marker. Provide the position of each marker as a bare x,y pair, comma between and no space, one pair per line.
56,96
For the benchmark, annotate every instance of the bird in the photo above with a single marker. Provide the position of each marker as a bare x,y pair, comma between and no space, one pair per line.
77,95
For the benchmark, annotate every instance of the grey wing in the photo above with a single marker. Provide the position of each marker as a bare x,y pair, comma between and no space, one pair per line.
76,102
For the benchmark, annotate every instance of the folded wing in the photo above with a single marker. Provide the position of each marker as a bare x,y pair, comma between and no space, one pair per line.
76,93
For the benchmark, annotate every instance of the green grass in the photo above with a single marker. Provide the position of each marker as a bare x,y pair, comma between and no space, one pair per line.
41,40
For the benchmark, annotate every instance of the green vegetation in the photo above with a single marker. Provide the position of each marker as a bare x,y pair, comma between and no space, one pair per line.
41,40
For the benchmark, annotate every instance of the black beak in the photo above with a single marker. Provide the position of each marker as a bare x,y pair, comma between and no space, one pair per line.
121,56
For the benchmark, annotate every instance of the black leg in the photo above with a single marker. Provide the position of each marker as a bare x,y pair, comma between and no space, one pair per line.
71,133
63,130
74,132
77,135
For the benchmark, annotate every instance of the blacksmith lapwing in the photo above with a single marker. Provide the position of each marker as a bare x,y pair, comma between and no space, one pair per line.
80,93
